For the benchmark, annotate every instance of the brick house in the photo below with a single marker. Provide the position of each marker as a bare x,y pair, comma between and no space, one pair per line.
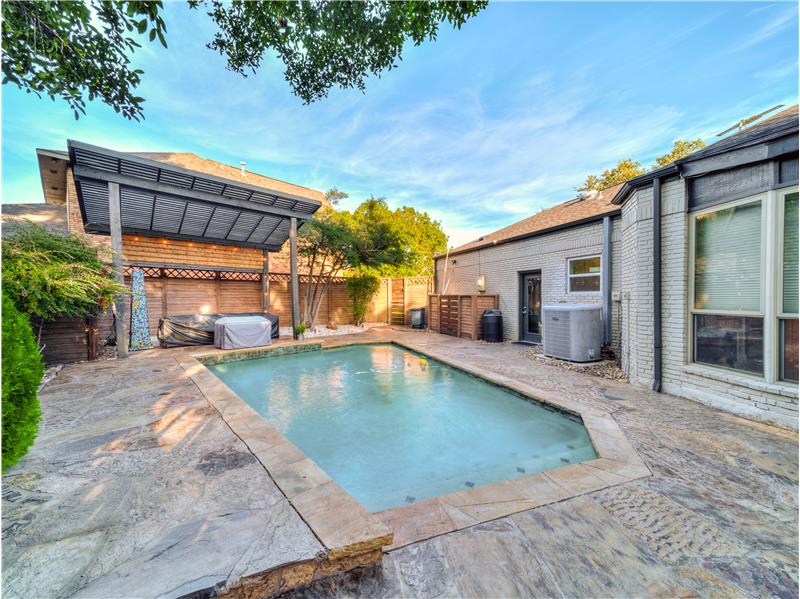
695,265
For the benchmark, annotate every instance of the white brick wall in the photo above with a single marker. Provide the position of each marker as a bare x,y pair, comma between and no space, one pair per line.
737,393
637,288
632,316
502,264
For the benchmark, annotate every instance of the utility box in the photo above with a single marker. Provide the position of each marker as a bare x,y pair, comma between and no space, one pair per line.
573,331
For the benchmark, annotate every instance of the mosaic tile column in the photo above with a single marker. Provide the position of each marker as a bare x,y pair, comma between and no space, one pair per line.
140,329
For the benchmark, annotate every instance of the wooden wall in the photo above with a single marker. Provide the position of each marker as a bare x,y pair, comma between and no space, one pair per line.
75,340
157,250
189,296
459,315
64,340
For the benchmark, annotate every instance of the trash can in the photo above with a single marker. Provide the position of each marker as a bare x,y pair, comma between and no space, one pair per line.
418,318
492,323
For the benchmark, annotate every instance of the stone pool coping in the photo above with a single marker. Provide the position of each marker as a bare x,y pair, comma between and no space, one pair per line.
353,536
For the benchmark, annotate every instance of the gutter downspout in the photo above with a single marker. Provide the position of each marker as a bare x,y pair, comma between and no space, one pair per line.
606,280
657,285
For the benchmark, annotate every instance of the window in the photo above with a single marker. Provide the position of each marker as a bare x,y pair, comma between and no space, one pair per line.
789,284
583,275
744,285
728,324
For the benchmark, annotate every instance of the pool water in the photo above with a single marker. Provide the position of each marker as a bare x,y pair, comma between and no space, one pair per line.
392,427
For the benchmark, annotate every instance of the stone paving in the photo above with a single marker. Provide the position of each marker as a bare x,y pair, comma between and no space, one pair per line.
718,518
136,487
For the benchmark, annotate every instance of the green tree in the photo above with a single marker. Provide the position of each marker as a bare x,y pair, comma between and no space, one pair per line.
334,196
78,50
360,289
48,274
22,371
83,50
623,171
680,148
421,237
334,241
327,43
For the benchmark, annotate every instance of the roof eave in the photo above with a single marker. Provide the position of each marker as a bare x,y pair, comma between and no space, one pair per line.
523,236
643,181
157,164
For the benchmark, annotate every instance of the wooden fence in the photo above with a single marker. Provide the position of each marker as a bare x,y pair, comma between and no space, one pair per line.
173,291
459,315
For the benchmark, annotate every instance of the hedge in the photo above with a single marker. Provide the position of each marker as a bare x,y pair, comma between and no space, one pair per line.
22,373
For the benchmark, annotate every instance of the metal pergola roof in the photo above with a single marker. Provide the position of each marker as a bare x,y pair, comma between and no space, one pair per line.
163,200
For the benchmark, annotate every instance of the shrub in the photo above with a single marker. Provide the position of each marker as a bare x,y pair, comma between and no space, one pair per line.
360,289
49,274
22,371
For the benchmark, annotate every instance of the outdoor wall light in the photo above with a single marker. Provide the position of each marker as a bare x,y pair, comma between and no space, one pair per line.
481,283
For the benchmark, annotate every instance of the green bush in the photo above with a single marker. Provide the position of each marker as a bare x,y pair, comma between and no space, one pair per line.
360,289
22,372
50,274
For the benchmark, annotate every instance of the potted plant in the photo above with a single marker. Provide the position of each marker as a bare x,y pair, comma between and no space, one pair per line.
299,331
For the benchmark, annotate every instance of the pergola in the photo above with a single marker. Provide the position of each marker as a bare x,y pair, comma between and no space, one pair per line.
124,193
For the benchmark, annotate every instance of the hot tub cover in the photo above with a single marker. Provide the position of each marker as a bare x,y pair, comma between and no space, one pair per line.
198,329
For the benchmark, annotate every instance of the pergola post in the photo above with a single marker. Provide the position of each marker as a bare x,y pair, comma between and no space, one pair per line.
293,270
265,282
121,304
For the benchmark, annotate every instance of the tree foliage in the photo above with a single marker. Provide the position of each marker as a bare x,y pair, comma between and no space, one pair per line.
629,168
680,148
80,51
420,235
22,371
334,241
624,170
48,274
360,289
334,196
327,43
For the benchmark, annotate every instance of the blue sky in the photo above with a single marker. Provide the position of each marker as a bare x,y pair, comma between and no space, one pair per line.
481,128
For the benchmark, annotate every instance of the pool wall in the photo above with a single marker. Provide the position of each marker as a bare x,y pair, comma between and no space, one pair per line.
344,527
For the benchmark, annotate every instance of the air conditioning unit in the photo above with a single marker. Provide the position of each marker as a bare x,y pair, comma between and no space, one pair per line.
573,331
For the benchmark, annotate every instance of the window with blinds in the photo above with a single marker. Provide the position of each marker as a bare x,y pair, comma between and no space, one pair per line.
744,302
727,272
788,321
728,325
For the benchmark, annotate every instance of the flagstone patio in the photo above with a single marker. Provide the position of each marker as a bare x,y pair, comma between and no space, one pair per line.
137,487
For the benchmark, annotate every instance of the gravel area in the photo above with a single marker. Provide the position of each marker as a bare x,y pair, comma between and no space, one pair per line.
342,329
607,368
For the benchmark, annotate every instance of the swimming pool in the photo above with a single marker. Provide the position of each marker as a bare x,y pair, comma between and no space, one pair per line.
392,427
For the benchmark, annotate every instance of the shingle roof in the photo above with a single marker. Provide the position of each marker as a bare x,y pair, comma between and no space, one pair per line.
191,161
777,125
573,211
49,216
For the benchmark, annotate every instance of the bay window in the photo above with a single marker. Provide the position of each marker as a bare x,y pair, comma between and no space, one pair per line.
743,285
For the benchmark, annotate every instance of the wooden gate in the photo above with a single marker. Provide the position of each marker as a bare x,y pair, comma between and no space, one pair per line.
448,314
398,304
